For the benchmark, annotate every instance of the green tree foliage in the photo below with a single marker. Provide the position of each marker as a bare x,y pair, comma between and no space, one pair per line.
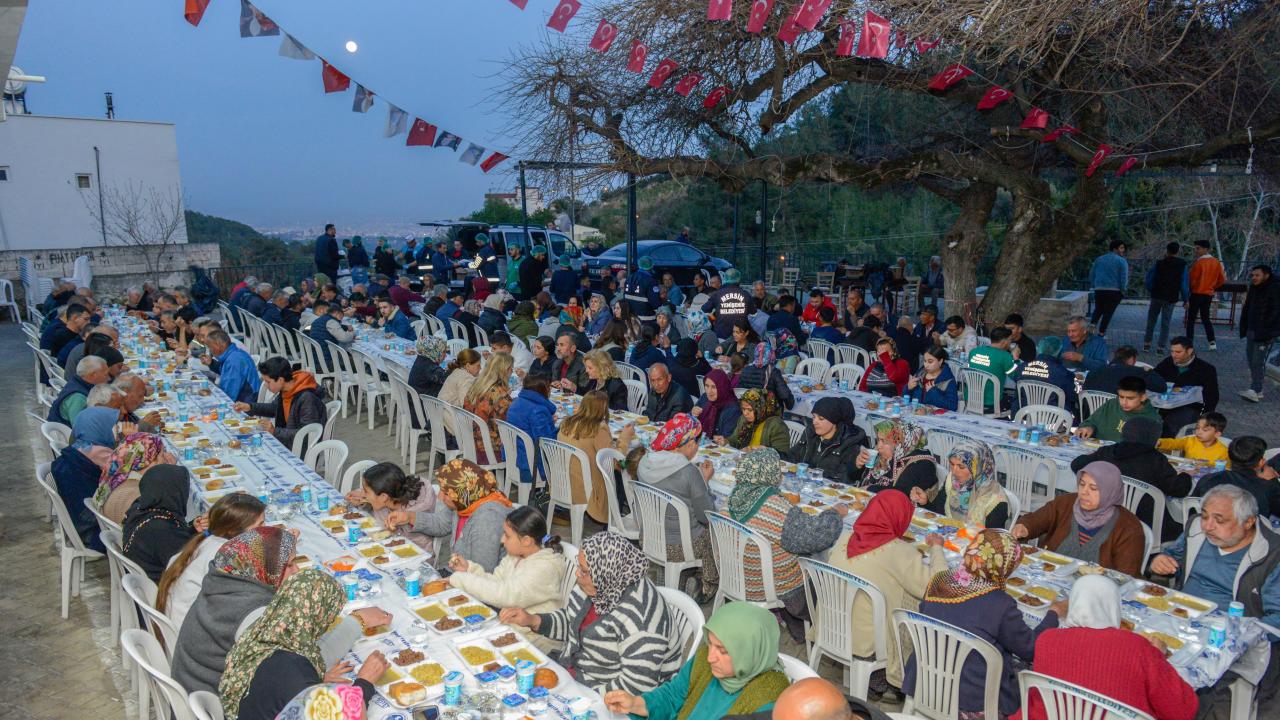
240,243
497,212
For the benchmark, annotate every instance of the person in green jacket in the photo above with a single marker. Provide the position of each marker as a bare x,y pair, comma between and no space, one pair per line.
1107,422
522,324
760,423
735,671
515,256
995,360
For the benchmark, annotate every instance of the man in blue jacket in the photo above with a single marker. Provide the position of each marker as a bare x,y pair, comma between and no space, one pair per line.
1081,349
327,252
394,321
440,264
237,375
1109,279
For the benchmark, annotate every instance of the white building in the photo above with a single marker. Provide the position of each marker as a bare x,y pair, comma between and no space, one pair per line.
513,199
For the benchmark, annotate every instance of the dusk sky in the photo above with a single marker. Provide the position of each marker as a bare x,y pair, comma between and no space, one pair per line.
258,138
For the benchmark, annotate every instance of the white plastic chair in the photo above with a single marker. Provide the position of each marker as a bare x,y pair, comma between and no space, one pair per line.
570,579
117,566
333,409
941,443
846,354
457,345
795,668
329,455
843,372
8,301
145,650
458,331
730,543
627,371
420,328
437,410
370,384
557,457
205,705
468,426
687,618
637,395
831,593
56,434
940,651
1036,392
815,368
142,592
820,349
976,383
1064,701
1091,400
795,431
306,437
513,438
1134,491
624,525
351,477
1021,469
652,506
71,550
1051,416
346,381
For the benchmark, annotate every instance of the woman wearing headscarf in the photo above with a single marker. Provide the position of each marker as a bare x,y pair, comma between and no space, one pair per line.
279,656
761,372
700,332
155,527
688,364
971,492
492,319
971,597
667,334
598,315
468,316
617,632
735,671
760,423
77,469
471,512
717,409
757,503
427,375
831,442
878,550
1122,664
522,324
1090,524
902,461
118,485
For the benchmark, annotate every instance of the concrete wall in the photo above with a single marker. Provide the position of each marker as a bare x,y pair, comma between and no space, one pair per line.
114,268
42,207
1049,315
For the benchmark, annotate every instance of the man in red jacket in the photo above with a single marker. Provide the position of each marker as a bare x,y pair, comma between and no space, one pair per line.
1203,280
817,301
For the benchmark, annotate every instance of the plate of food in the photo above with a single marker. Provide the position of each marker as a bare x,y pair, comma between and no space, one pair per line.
1179,605
476,654
1038,597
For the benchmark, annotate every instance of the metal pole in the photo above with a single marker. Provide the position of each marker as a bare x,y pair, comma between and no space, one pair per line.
102,216
764,227
734,254
524,211
631,225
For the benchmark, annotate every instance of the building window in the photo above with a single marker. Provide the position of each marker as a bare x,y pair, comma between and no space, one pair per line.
83,181
4,173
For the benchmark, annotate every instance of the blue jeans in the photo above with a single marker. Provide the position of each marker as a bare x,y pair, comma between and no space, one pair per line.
1163,312
1258,351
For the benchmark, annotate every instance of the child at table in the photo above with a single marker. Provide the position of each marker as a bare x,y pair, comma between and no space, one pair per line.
1204,444
386,489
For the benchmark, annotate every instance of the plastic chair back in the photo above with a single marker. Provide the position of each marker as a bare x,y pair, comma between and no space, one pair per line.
557,457
830,593
305,437
626,526
820,349
1021,469
795,431
570,579
1134,491
1037,392
652,506
795,668
351,477
687,618
1064,701
329,455
627,371
142,592
845,372
468,426
637,395
205,705
847,354
976,383
813,367
146,652
333,408
941,650
731,541
1051,416
513,438
1091,400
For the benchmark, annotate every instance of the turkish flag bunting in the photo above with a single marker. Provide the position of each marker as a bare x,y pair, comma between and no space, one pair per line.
660,74
790,30
565,11
874,42
520,3
603,39
1037,118
719,9
639,52
848,33
950,76
194,10
422,133
760,11
811,11
900,39
924,46
688,83
492,161
1127,165
716,96
994,97
1057,133
334,80
1098,157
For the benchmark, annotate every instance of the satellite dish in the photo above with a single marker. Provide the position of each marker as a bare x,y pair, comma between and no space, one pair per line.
13,86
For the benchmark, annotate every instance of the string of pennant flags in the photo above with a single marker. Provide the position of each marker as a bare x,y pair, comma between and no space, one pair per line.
419,133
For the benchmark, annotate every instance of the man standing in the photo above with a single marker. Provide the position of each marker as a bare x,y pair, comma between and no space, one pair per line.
514,259
932,285
1109,278
637,290
1203,279
1167,283
384,261
358,260
730,304
1259,325
327,252
439,264
531,272
684,236
401,295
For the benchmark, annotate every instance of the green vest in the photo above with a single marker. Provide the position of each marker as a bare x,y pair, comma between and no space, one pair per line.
760,691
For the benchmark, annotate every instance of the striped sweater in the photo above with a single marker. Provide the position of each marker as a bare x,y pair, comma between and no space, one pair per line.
790,532
632,648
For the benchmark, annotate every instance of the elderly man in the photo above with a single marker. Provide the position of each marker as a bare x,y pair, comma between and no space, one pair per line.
274,312
90,371
933,281
133,390
1081,349
666,398
815,699
133,299
1227,556
237,375
401,295
256,303
568,371
765,300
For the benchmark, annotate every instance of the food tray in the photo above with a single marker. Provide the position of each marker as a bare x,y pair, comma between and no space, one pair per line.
450,611
1182,649
1169,602
1031,593
402,673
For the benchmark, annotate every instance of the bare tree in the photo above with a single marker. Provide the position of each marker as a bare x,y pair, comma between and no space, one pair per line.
145,218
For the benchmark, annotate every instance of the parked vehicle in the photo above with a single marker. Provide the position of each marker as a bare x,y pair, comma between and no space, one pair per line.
682,260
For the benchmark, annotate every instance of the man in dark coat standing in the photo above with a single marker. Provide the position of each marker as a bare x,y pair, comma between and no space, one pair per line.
327,253
1260,326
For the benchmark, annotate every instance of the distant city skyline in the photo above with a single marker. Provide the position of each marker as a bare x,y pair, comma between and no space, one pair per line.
258,139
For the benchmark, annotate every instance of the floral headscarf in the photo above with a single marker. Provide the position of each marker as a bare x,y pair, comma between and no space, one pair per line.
677,431
972,500
615,566
134,454
908,439
698,322
302,611
261,554
785,343
987,563
473,306
763,404
333,701
469,484
756,480
765,355
433,348
570,315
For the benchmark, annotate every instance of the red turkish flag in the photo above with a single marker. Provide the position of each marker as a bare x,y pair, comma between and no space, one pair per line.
520,3
900,39
1098,157
1036,119
924,46
688,83
790,30
603,39
951,75
565,11
1125,166
492,161
715,97
422,133
639,52
760,11
848,34
194,10
334,80
874,42
1057,133
719,9
994,97
811,11
661,73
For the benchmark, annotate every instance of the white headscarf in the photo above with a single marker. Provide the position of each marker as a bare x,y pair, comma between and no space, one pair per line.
1095,603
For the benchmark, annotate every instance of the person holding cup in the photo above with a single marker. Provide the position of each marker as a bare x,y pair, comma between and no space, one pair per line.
831,441
899,459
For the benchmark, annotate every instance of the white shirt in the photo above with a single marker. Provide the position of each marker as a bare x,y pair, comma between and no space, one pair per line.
183,592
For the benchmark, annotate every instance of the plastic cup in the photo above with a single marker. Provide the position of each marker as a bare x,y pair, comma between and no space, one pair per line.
413,584
524,675
453,688
802,470
351,584
872,454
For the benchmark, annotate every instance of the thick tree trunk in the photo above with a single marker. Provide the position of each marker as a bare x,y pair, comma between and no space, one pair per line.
963,246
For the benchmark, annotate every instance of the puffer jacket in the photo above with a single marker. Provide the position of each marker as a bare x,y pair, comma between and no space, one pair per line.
833,457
